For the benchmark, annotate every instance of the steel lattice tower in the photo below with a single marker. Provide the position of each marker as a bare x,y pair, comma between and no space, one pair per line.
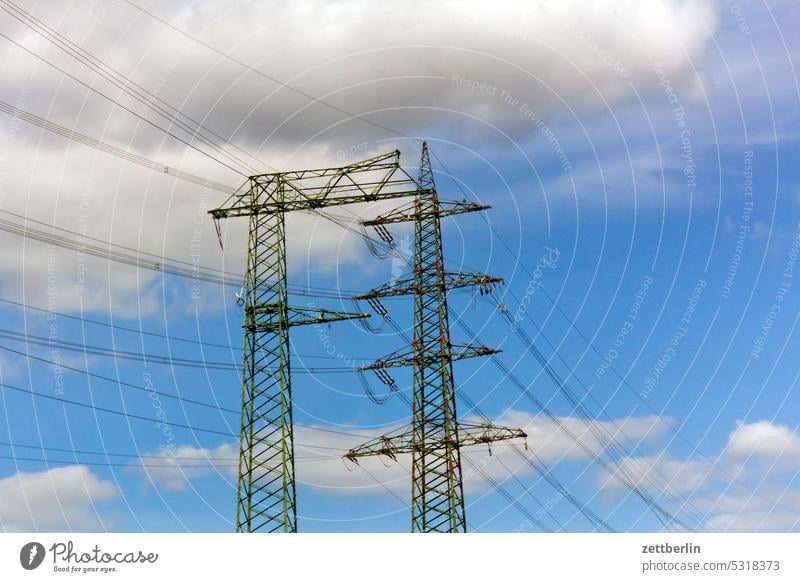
266,483
435,438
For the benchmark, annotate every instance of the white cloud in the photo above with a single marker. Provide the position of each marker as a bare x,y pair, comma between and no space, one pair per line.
319,462
764,440
759,510
175,468
374,58
659,473
64,498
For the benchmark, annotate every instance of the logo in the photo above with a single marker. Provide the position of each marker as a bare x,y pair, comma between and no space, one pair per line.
31,555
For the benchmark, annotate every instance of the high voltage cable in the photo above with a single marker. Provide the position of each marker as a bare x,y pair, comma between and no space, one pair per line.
659,511
116,104
143,259
663,515
116,326
529,491
366,238
132,89
131,456
497,486
118,382
252,69
110,352
582,508
152,333
114,77
508,497
4,385
164,394
624,381
143,357
577,403
112,150
309,96
552,480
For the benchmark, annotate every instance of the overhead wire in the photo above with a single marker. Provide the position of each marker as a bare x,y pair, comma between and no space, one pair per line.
309,96
156,104
126,155
117,104
142,259
609,441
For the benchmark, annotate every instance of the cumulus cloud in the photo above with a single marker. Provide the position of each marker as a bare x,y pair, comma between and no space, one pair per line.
174,468
659,473
319,462
764,440
65,498
461,70
762,509
720,489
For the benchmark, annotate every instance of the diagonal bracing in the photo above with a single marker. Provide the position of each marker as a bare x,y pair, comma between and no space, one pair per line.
266,496
435,438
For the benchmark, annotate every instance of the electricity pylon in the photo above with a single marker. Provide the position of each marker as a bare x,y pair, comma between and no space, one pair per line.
266,484
436,437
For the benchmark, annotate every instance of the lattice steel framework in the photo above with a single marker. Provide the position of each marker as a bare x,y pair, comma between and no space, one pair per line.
435,438
266,484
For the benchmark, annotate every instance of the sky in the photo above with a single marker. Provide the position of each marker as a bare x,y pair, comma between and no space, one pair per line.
645,217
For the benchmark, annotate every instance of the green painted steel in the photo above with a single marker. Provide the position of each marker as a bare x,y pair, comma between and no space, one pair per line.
266,496
435,438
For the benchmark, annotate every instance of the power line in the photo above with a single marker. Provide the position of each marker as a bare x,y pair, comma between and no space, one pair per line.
139,331
117,381
117,104
4,385
275,80
143,332
311,97
508,497
132,89
94,350
114,412
142,259
112,150
143,357
130,456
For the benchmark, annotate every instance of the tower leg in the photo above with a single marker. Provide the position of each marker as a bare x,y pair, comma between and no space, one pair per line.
437,491
266,487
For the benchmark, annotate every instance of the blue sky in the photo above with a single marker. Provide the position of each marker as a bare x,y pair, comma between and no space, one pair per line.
662,182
